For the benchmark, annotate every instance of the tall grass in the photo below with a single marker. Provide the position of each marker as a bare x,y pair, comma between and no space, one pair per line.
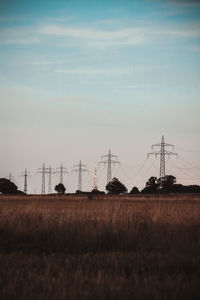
107,248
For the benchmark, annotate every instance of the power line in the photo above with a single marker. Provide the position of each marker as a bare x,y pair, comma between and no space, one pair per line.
162,153
80,168
109,161
186,150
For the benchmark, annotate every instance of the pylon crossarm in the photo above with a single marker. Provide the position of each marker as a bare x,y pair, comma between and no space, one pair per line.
77,166
103,162
153,153
170,153
169,145
155,145
105,155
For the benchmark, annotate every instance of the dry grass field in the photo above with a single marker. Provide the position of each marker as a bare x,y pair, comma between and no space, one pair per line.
120,247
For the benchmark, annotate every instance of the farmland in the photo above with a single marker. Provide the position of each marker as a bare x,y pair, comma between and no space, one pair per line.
100,247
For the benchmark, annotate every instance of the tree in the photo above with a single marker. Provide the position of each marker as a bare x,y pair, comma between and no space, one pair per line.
134,190
151,186
177,188
165,183
97,192
192,189
115,187
60,188
7,187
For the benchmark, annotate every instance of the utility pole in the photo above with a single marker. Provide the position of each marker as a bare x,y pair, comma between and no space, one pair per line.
162,153
25,175
109,161
43,171
80,168
61,170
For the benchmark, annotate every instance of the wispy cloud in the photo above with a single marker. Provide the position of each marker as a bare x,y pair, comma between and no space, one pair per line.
44,62
20,41
92,37
60,19
95,37
71,36
94,71
19,35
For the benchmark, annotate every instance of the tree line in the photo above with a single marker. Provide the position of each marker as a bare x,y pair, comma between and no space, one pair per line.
154,185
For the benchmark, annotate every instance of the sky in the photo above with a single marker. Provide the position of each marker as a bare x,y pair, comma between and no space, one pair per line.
78,78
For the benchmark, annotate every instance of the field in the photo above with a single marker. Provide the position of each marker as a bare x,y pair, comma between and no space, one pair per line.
79,247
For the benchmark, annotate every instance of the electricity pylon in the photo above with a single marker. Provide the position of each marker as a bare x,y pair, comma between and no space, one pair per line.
109,161
80,170
61,170
50,171
162,153
95,179
25,174
11,177
43,171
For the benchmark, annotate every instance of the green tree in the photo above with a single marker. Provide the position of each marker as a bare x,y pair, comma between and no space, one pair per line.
115,187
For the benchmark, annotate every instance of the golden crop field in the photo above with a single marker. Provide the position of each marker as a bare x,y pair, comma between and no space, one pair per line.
100,247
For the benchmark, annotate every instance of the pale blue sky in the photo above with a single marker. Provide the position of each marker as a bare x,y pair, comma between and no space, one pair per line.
80,77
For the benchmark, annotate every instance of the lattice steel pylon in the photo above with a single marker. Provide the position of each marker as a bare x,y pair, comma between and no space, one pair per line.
95,179
50,171
162,153
80,170
43,171
109,161
11,177
25,174
61,170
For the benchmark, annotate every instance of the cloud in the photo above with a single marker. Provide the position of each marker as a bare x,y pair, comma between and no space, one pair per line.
20,41
67,36
44,62
19,35
94,37
91,71
91,37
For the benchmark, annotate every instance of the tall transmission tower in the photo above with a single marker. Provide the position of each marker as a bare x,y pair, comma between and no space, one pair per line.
61,170
11,177
25,174
162,153
50,171
95,179
109,161
80,168
43,171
